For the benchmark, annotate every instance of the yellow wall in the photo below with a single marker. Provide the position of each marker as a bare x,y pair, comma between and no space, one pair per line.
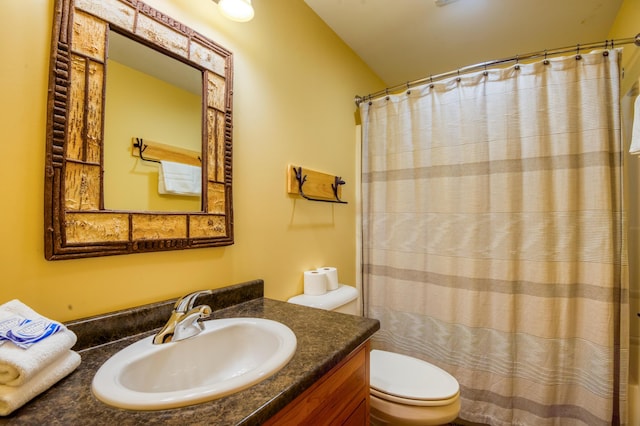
293,103
139,105
626,25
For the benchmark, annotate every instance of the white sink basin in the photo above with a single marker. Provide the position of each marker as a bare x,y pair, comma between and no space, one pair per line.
228,356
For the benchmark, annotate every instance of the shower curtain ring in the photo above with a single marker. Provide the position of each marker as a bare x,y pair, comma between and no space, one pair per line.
458,79
578,55
387,92
431,81
517,66
546,61
408,88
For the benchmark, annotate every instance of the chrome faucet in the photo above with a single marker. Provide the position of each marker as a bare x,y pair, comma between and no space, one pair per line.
183,322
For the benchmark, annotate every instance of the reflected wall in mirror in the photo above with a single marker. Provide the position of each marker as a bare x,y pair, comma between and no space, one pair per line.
76,221
154,97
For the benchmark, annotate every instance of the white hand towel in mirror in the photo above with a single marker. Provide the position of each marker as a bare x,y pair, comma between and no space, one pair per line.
179,179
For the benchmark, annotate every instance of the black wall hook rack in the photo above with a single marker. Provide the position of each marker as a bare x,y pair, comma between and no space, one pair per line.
302,179
141,147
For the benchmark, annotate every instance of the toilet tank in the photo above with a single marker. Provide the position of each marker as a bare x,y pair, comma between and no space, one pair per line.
343,299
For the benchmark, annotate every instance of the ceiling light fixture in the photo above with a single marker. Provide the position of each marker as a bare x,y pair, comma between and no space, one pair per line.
236,10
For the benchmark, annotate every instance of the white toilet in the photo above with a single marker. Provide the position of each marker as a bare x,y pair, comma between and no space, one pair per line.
403,390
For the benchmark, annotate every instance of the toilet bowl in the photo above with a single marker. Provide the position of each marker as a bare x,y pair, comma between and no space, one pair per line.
408,391
404,391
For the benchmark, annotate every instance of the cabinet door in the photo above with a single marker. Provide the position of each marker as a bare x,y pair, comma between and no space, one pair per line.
340,397
359,417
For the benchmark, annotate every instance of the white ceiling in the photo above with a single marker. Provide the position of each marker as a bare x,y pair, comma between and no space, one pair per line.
404,40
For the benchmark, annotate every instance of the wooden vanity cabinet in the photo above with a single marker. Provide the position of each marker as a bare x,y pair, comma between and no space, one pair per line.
340,397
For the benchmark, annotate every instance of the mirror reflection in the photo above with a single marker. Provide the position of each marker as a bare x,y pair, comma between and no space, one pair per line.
157,99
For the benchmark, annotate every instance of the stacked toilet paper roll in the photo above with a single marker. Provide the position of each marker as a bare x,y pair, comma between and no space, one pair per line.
315,283
321,280
332,277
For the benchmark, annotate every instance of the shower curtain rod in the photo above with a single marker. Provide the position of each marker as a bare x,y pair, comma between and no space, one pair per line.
607,44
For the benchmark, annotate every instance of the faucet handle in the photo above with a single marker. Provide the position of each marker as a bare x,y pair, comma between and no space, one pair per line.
189,325
186,303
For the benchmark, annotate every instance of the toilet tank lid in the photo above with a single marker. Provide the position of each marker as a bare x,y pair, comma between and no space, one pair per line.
330,300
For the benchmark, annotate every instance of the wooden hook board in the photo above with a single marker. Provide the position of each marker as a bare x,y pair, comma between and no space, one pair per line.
158,151
317,184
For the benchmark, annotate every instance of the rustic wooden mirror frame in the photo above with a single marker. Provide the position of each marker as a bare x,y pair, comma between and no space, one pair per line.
76,223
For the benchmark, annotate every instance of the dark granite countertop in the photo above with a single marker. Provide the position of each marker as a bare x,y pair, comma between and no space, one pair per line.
324,339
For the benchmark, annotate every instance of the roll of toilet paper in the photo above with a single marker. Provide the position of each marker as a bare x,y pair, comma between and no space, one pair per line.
332,277
315,283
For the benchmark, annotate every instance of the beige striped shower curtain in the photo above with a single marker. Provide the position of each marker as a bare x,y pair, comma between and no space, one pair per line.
493,238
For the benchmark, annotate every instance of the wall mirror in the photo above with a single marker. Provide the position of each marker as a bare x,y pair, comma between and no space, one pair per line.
77,222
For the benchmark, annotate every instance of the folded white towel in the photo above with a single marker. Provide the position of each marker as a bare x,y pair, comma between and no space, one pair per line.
635,132
12,397
179,179
18,365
